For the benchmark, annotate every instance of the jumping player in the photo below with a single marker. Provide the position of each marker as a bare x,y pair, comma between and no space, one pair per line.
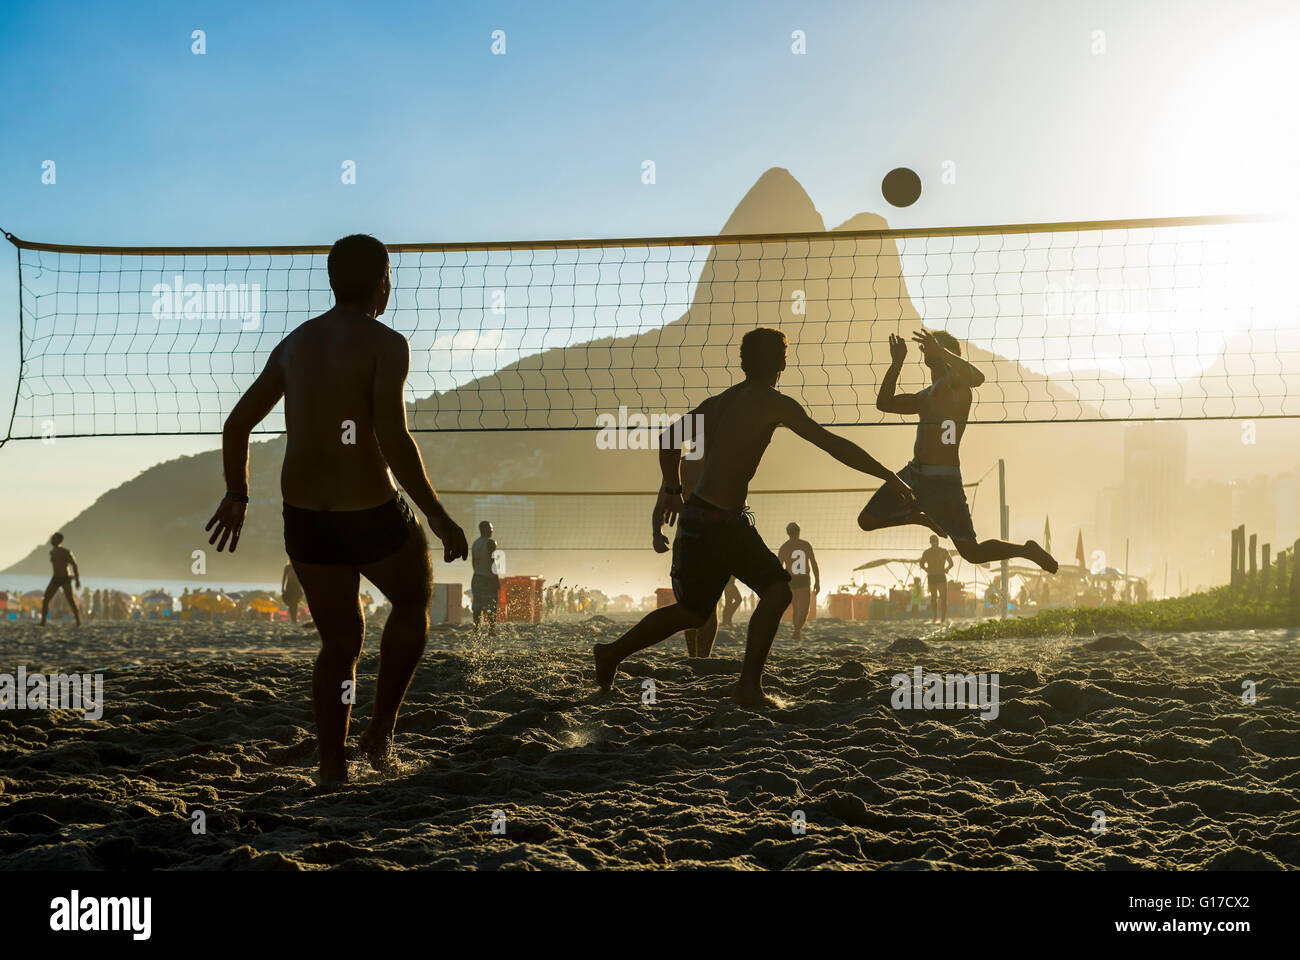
935,471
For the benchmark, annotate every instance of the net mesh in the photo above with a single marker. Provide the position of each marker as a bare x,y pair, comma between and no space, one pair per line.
609,520
1069,322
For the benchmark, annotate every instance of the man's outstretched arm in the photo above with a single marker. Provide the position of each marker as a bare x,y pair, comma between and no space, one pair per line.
841,448
399,447
668,504
252,408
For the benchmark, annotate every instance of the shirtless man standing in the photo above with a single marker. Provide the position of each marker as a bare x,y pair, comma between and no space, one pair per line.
60,559
936,561
935,470
484,584
796,556
716,537
342,377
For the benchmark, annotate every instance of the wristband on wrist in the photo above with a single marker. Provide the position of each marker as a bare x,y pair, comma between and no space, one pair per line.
236,497
675,491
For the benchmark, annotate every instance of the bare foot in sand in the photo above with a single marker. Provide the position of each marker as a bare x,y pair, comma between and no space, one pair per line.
606,666
378,749
752,698
1041,557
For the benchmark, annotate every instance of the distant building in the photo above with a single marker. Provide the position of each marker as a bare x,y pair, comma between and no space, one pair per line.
1155,482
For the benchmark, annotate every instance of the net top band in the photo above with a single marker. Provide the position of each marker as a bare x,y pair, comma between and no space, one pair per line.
1009,229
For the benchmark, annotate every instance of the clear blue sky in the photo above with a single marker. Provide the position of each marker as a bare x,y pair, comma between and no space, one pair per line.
1188,110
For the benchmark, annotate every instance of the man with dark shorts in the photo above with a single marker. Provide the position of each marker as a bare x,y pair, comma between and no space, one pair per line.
61,559
485,583
699,640
796,556
342,376
716,538
935,471
936,562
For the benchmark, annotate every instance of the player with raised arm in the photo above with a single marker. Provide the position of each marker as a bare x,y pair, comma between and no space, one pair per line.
716,536
935,471
342,376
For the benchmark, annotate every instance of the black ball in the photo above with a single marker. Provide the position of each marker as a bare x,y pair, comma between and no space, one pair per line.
901,187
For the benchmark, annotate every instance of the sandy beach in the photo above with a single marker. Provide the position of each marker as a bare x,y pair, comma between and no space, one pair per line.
511,732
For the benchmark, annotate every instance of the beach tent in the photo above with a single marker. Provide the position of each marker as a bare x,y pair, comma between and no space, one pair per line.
156,604
260,602
210,604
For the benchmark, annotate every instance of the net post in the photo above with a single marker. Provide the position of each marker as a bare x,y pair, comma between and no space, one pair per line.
1006,533
18,379
1295,576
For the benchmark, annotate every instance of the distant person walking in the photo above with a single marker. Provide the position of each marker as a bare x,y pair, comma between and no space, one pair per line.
291,590
915,598
731,601
61,559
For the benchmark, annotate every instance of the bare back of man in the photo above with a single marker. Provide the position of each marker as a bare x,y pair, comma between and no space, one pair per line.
342,377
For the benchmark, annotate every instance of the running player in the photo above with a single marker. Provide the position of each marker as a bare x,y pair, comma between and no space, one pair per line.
716,537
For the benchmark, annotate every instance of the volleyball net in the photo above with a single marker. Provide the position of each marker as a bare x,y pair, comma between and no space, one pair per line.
1109,320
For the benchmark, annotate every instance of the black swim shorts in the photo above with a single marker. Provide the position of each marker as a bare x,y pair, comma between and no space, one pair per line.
939,495
485,592
348,537
712,546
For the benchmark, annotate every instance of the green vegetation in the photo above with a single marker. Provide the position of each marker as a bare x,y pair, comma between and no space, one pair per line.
1249,605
